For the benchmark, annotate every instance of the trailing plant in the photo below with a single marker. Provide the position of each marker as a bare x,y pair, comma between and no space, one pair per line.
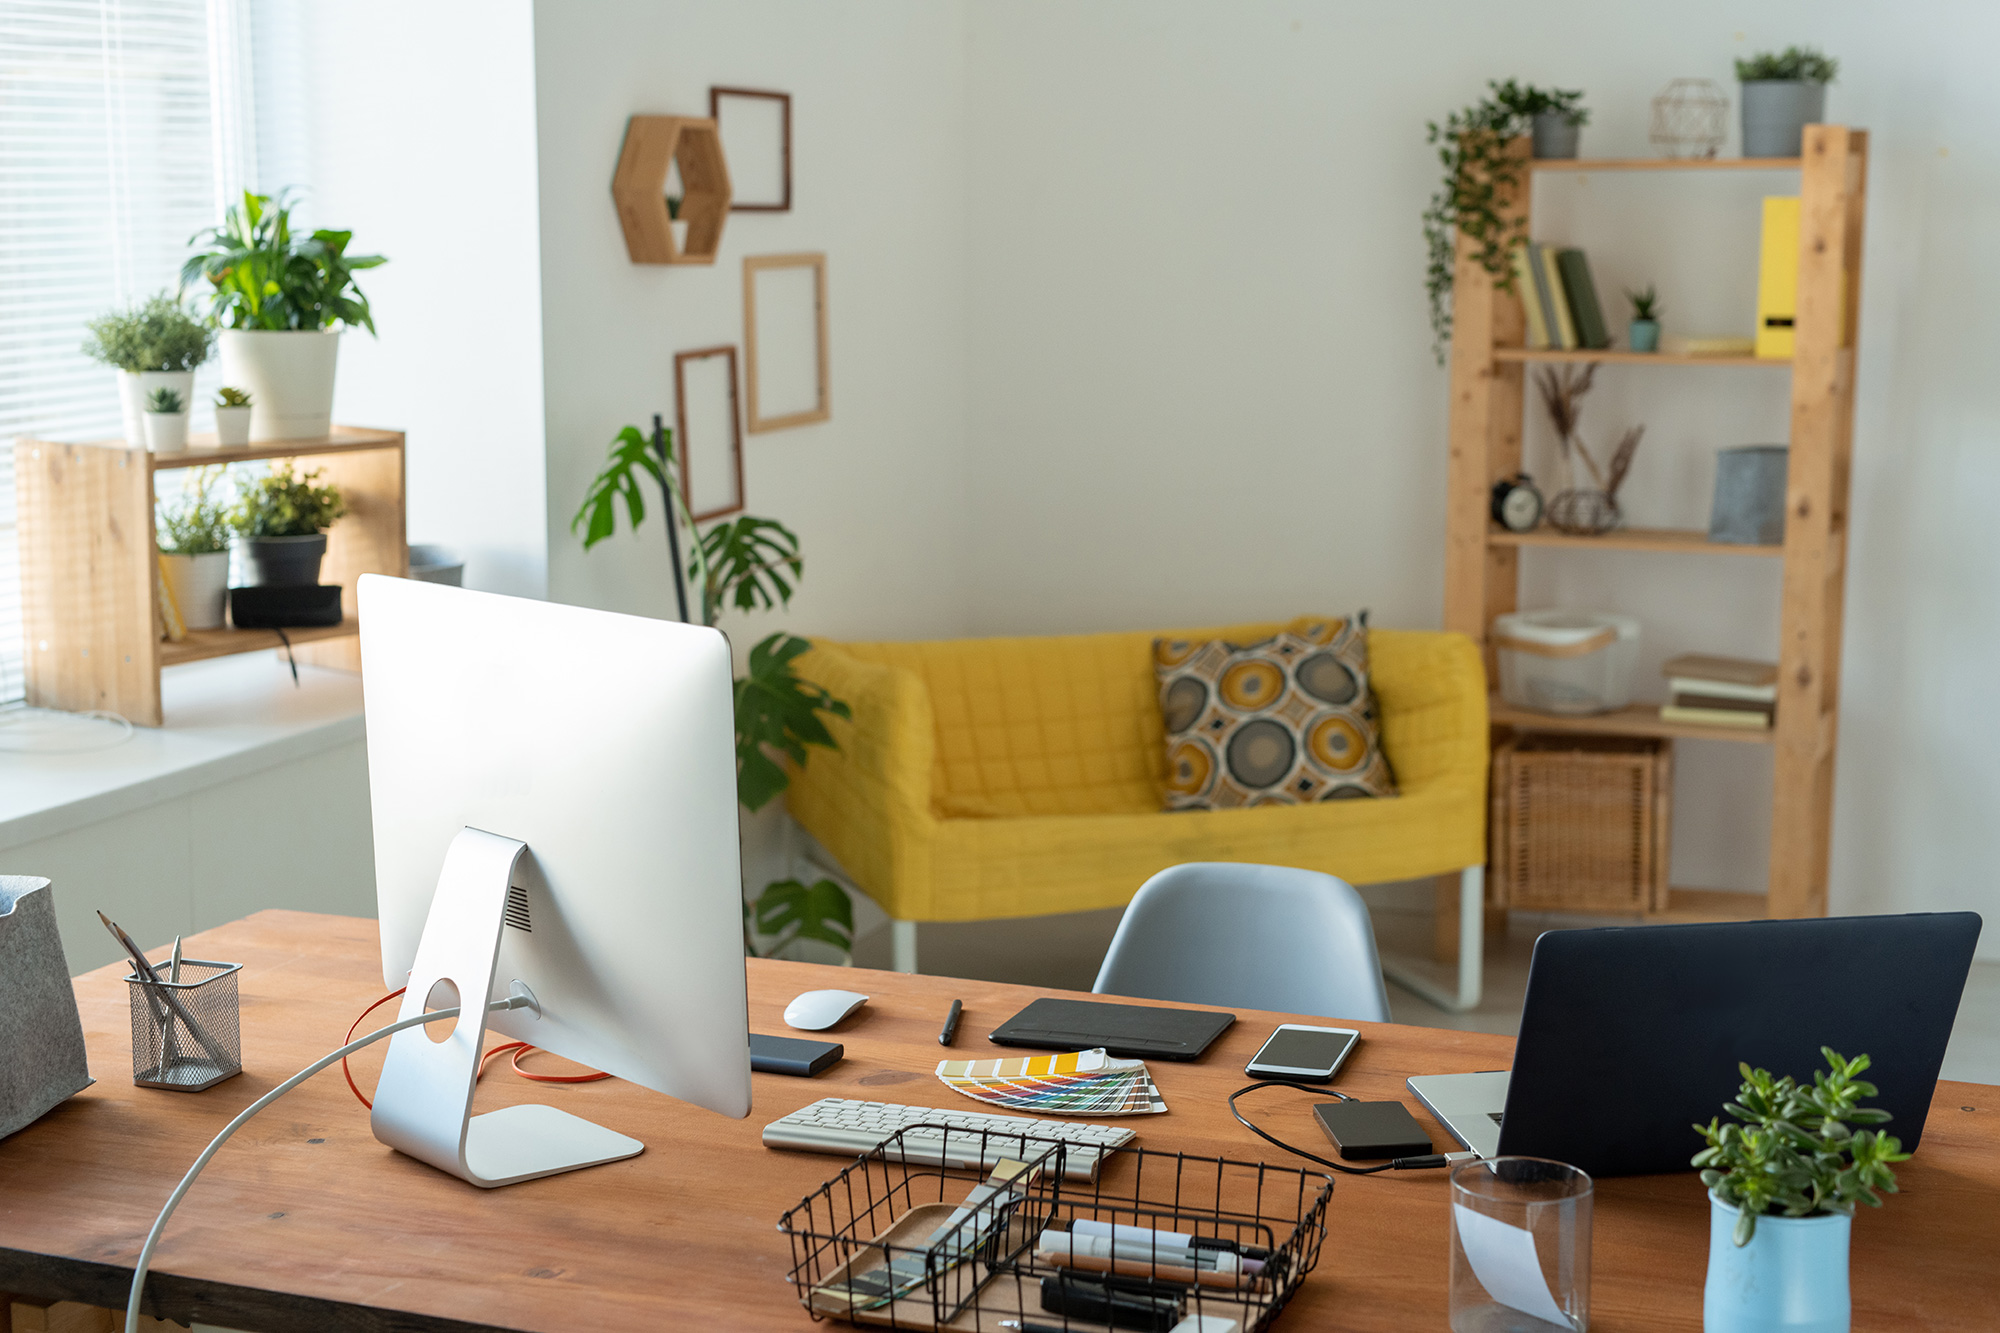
751,564
263,275
228,397
157,334
1794,64
164,401
1794,1155
283,504
197,523
1646,304
1481,172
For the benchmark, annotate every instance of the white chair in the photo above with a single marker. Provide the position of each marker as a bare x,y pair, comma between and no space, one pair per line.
1250,936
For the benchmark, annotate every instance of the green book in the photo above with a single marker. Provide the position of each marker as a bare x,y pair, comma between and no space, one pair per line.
1583,307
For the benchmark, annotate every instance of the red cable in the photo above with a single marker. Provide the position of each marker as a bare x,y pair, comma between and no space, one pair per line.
344,1071
589,1076
519,1049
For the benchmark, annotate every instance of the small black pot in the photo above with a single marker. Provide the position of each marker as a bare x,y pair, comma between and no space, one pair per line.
272,562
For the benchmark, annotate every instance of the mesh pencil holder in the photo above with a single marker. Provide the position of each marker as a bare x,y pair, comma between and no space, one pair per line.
185,1034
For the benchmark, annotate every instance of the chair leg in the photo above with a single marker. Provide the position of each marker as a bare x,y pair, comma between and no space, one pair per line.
903,946
1471,950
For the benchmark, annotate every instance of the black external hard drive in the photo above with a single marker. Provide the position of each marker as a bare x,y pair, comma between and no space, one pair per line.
792,1055
1373,1131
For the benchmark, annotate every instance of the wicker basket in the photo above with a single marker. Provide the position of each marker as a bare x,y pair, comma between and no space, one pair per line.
1580,823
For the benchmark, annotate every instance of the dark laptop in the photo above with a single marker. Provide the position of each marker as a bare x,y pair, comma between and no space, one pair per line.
1630,1035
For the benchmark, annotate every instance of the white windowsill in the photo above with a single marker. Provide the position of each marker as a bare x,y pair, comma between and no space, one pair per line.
225,718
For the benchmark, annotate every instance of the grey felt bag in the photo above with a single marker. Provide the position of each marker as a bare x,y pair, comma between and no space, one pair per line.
41,1036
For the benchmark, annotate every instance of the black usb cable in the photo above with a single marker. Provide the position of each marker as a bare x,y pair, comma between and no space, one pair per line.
1425,1162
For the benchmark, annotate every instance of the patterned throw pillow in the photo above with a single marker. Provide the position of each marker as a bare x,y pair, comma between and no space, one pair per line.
1281,722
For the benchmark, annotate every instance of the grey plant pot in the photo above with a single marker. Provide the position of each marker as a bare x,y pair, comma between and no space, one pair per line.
282,562
1555,134
1643,335
1776,113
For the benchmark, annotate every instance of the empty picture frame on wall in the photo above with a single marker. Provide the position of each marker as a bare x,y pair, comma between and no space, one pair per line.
710,438
757,140
784,340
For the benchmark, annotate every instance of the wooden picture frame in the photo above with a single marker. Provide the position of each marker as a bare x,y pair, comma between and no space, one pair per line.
783,203
686,444
781,366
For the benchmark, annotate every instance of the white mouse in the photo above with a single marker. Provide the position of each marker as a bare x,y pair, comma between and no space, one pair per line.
819,1009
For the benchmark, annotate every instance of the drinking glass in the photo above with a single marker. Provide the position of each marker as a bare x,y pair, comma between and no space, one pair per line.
1520,1247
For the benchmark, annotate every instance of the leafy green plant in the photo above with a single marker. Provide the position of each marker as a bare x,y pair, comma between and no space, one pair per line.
228,397
263,275
1794,64
1794,1155
164,400
157,334
283,504
1646,304
197,522
751,564
1481,171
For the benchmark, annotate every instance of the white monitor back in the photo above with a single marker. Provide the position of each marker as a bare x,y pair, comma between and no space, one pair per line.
607,744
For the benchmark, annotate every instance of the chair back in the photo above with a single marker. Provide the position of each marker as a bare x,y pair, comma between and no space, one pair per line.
1248,936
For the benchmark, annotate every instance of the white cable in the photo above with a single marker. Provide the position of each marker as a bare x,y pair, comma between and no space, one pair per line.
174,1199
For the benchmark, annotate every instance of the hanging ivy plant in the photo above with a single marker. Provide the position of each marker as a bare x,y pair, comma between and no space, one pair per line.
1479,171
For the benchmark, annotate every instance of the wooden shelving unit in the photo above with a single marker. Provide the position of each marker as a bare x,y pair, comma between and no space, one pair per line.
89,574
1482,562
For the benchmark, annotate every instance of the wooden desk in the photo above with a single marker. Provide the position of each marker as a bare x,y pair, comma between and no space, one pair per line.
305,1222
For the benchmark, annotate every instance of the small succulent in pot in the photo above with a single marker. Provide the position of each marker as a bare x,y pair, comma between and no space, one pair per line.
1643,335
232,416
281,520
166,422
165,400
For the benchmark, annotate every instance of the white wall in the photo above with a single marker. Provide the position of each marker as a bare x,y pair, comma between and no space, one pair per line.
1201,385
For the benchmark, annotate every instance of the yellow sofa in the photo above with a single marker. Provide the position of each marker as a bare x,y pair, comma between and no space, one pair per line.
986,778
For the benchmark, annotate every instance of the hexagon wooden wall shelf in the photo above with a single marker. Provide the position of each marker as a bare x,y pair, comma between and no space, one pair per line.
640,189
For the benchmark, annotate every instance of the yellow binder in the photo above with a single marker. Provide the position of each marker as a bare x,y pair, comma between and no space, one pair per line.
1778,278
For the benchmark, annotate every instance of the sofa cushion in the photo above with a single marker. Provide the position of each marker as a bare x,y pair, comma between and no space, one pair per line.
1284,721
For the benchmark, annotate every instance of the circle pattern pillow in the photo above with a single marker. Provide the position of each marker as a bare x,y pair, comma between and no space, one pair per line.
1282,722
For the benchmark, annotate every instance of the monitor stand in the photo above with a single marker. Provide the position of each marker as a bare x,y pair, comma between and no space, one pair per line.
423,1104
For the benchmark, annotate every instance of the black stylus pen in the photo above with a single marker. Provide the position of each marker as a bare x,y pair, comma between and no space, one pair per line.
951,1023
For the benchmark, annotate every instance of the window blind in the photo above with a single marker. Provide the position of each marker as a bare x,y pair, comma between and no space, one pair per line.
125,125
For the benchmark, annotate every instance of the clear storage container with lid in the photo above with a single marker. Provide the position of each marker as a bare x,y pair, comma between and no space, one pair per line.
1566,662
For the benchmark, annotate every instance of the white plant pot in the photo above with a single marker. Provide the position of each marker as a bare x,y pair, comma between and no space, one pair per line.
289,377
232,426
135,388
166,432
200,586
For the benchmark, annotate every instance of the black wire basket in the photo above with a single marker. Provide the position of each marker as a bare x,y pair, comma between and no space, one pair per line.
907,1245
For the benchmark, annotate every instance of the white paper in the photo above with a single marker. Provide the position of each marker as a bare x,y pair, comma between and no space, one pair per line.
1503,1259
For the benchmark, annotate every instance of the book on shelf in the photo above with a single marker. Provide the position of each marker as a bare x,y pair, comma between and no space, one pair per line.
1716,717
1532,302
1562,328
1729,670
1778,277
1708,344
1584,310
1720,691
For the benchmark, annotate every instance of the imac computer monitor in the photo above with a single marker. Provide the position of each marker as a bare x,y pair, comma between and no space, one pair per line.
554,795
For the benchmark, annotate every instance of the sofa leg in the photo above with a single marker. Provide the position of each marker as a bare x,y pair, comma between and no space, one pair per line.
903,946
1471,950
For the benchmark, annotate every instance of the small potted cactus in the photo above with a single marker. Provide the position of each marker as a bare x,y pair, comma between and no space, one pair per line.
232,417
1643,334
166,422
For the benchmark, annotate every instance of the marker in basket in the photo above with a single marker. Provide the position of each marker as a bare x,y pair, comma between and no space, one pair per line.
1179,1240
1076,1297
1100,1254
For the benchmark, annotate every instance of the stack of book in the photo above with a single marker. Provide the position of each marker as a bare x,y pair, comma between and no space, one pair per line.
1720,692
1559,297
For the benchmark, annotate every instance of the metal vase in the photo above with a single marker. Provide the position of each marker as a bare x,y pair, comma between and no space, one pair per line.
1776,113
1790,1278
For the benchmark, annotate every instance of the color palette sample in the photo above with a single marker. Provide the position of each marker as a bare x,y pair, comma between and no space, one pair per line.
1073,1083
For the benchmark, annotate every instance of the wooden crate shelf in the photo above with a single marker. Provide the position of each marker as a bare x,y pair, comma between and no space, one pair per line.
1695,906
89,574
1483,565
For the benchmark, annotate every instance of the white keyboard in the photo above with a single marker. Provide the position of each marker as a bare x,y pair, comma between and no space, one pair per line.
847,1128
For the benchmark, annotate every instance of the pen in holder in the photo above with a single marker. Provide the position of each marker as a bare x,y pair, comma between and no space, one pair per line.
185,1034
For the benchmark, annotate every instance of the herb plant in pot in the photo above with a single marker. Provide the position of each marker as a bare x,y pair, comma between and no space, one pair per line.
194,549
232,417
1782,1189
283,299
1556,116
1783,92
281,521
155,345
166,422
1643,333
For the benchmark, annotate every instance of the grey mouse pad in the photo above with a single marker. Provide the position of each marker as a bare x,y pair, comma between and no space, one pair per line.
1122,1029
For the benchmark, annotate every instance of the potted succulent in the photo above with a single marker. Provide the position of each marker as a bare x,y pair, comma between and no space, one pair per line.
283,299
1782,1188
194,549
232,417
166,421
155,345
281,521
1783,92
1643,333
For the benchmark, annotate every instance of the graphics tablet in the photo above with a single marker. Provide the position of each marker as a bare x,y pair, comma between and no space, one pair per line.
1122,1029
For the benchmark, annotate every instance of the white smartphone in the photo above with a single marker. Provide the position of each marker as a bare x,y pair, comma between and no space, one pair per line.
1302,1054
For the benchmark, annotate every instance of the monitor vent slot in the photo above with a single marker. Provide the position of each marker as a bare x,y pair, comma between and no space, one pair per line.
517,908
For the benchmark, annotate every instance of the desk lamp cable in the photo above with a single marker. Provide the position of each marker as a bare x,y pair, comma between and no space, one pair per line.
1399,1164
173,1200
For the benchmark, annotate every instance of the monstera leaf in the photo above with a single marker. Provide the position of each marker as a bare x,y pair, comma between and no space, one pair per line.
777,711
789,911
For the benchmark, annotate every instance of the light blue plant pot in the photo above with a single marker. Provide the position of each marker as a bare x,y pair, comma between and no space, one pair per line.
1644,335
1790,1278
